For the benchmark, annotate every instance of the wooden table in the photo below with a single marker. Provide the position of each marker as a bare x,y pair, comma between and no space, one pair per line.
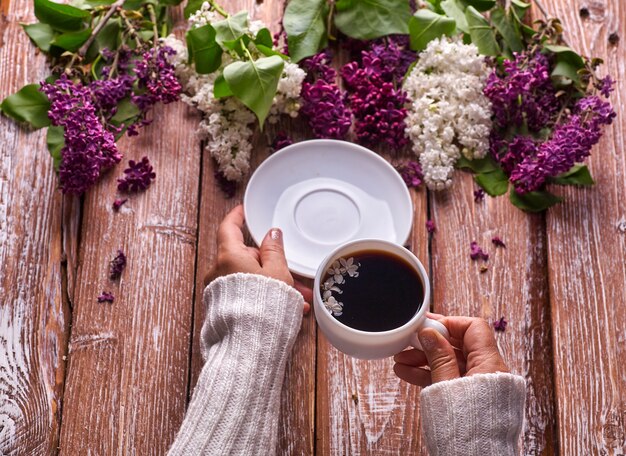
86,378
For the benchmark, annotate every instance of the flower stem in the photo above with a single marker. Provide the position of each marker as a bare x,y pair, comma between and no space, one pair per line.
155,38
85,47
218,8
329,22
131,30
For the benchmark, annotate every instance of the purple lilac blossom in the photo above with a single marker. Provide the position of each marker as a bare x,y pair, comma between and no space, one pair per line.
476,253
570,143
606,86
430,226
281,141
411,173
105,296
498,242
117,265
323,103
511,154
118,203
378,107
479,195
157,80
500,325
524,95
89,147
137,177
108,93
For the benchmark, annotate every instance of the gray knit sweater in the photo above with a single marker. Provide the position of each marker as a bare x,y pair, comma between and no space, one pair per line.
249,330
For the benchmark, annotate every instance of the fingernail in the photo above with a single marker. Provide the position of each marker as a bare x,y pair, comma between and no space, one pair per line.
275,234
428,340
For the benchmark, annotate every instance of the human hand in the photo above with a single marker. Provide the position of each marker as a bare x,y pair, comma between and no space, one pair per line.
268,260
471,350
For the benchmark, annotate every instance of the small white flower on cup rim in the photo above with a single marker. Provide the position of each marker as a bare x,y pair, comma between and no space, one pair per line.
337,272
349,266
333,306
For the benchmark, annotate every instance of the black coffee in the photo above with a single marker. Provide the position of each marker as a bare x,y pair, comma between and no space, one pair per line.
372,290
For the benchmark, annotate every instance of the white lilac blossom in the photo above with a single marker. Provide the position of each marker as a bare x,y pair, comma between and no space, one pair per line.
287,99
448,113
203,16
337,273
227,125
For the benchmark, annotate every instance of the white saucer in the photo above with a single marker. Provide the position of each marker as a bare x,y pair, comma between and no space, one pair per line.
323,193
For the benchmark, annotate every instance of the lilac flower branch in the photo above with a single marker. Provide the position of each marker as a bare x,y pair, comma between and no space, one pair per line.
83,49
131,30
155,38
218,8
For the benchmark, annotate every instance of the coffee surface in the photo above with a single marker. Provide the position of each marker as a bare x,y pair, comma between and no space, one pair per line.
387,293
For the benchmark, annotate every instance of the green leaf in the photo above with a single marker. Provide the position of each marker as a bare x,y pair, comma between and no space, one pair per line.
41,34
109,37
72,41
369,19
238,45
255,82
264,38
91,4
456,10
192,6
568,62
481,165
28,105
220,88
481,5
507,30
435,5
425,26
534,201
565,53
59,16
203,49
519,8
55,142
232,28
126,110
268,51
305,24
577,175
495,183
481,32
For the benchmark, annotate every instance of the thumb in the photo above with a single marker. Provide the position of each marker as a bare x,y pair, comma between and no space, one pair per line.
272,254
440,355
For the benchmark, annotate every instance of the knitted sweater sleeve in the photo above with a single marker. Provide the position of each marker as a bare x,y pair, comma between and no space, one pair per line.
247,336
477,415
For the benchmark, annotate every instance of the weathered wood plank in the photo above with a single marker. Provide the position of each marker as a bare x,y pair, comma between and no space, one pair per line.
34,317
296,426
363,408
126,388
514,286
587,261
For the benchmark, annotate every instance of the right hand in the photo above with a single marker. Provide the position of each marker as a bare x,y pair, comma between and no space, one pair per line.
472,350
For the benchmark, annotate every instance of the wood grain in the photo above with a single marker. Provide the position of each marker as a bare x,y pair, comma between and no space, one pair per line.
363,408
587,260
126,388
296,425
514,287
34,316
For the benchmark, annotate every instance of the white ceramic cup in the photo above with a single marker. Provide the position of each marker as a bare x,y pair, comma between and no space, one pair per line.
366,344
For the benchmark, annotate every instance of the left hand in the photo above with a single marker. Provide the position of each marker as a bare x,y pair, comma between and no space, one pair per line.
269,260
